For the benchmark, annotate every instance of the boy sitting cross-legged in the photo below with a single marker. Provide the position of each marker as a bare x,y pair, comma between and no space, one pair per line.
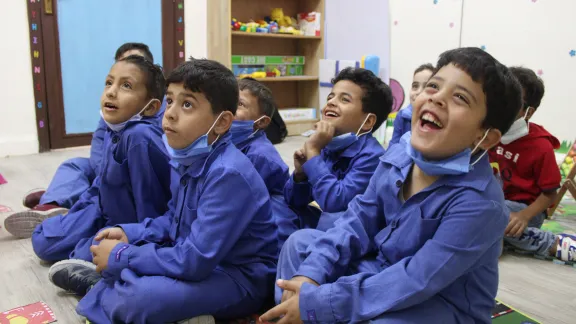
421,245
214,251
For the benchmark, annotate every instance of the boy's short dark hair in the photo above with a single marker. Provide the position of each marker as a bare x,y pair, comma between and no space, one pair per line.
155,81
260,91
210,78
424,67
532,86
377,97
502,90
134,46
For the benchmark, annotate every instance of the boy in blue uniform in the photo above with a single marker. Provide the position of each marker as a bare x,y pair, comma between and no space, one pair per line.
74,176
403,121
422,243
337,161
214,251
255,109
134,179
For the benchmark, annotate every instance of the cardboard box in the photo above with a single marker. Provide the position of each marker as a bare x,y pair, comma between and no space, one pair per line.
309,23
264,60
295,114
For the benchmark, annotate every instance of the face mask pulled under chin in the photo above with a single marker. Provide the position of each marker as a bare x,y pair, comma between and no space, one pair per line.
343,141
455,165
120,126
518,130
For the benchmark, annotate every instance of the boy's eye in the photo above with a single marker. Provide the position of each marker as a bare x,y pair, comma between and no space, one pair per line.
461,97
108,83
345,99
432,85
187,105
168,101
415,86
127,85
241,104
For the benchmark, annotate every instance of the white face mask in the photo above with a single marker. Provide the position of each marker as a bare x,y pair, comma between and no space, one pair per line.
120,126
518,130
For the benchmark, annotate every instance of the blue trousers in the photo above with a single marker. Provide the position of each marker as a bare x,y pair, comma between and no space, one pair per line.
68,236
294,253
533,239
71,179
156,299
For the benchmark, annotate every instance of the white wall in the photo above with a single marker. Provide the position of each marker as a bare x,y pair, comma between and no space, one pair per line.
18,133
196,28
536,34
420,32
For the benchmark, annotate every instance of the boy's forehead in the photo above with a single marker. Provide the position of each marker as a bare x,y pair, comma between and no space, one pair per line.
125,69
132,52
347,87
179,89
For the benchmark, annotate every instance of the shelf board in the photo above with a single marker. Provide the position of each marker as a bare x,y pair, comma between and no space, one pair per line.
303,121
269,35
288,78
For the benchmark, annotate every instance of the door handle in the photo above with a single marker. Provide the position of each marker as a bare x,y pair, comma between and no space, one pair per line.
48,7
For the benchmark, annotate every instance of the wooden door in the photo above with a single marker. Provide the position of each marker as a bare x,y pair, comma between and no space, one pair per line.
73,43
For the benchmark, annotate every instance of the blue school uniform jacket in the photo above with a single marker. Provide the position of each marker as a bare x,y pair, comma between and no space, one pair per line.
219,218
444,241
97,143
267,162
402,124
334,178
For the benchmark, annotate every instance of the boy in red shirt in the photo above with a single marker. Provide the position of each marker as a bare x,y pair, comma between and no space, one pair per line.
527,164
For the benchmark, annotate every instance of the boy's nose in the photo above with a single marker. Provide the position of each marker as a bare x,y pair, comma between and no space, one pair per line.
111,92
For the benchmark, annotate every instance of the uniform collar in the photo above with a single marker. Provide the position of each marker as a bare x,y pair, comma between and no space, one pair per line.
478,178
197,168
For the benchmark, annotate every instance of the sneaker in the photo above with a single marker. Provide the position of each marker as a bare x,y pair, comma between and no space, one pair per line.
74,275
22,224
566,250
32,198
204,319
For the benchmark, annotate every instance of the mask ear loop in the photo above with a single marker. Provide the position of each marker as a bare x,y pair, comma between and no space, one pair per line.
256,121
359,129
477,145
214,124
145,107
526,115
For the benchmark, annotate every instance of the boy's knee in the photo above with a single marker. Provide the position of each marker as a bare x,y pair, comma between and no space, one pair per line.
41,246
301,239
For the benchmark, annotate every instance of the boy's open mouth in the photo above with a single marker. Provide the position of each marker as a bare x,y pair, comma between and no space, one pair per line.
330,114
110,106
429,121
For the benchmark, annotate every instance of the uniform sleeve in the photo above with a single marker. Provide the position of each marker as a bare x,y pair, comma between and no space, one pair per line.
149,172
97,146
274,175
215,231
297,194
546,170
463,237
333,194
398,130
329,257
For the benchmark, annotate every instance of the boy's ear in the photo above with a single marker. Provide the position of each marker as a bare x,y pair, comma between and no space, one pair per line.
530,112
152,108
491,140
262,123
224,123
369,124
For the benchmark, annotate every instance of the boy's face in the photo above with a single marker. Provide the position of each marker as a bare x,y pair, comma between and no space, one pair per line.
418,83
344,108
448,115
248,108
189,115
125,93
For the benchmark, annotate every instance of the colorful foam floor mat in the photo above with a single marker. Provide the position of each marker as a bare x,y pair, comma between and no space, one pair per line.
504,314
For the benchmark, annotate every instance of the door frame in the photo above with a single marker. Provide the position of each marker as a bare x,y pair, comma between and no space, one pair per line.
47,75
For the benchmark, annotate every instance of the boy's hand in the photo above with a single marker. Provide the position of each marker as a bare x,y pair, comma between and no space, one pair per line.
288,311
287,294
517,224
323,135
299,160
112,233
101,253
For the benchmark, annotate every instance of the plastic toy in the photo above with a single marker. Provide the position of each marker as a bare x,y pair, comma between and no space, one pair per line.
370,62
235,24
278,16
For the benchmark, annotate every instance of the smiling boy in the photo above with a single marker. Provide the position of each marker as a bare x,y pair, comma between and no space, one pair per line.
337,161
422,243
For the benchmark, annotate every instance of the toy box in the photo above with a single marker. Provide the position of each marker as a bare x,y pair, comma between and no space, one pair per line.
265,60
309,23
272,65
296,114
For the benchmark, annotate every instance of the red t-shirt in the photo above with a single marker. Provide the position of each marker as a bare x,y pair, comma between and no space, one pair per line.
528,165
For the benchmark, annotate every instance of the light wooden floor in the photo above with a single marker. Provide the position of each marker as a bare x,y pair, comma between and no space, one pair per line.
540,289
